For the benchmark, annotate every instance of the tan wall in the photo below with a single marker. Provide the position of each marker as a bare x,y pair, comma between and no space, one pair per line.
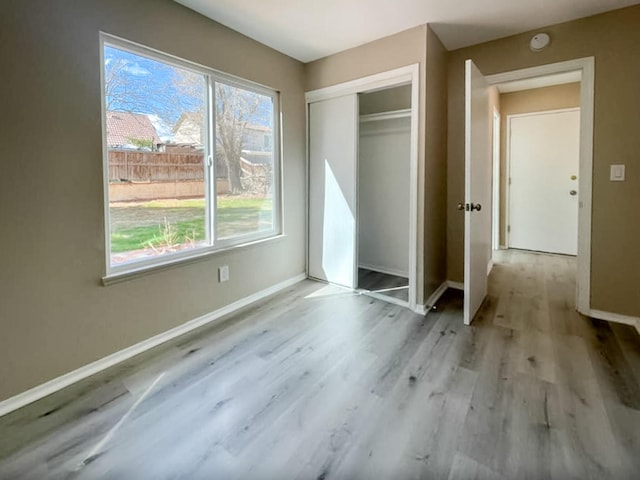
417,45
435,175
395,51
614,39
387,100
54,314
534,100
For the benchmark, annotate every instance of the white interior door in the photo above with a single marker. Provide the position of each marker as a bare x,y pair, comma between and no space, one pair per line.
544,153
477,221
333,142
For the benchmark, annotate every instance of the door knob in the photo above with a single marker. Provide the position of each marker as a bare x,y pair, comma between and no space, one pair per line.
469,207
573,193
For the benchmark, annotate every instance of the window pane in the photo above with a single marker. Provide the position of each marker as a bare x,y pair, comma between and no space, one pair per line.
156,143
244,162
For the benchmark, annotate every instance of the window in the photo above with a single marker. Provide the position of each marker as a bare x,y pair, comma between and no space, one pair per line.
188,167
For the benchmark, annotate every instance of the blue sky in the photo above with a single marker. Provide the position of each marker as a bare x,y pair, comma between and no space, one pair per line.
143,85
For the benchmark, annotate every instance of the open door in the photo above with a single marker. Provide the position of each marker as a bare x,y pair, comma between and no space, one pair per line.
477,206
333,144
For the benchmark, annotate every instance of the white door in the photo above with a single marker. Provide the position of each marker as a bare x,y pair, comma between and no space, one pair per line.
477,215
544,151
333,137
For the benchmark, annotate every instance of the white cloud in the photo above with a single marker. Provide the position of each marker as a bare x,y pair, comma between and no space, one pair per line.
137,70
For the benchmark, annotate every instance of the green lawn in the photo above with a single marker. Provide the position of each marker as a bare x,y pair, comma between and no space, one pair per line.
139,225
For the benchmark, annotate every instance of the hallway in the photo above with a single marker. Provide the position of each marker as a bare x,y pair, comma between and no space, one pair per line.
318,382
558,394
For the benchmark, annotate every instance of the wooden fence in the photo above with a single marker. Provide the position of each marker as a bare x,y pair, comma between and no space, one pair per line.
135,166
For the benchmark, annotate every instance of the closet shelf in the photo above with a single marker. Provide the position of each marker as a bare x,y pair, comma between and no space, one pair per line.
374,117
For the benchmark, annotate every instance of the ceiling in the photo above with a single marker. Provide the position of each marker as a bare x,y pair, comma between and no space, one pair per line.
312,29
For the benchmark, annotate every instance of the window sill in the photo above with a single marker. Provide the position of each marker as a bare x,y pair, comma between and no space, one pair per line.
134,271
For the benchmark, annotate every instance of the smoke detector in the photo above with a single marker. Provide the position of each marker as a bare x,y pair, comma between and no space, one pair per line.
539,41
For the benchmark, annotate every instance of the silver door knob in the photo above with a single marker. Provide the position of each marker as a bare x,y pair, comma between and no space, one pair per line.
573,193
461,206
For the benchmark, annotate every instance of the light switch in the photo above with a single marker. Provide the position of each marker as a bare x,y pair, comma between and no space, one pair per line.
617,173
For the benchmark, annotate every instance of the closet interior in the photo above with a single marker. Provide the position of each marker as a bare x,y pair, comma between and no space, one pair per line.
383,193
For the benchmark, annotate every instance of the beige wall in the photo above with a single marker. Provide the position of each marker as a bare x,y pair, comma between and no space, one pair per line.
614,40
418,45
435,175
527,101
54,314
395,51
387,100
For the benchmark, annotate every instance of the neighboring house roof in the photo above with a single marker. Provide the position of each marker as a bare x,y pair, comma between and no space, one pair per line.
122,127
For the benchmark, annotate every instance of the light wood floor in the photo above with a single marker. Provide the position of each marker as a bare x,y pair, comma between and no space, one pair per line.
316,383
384,284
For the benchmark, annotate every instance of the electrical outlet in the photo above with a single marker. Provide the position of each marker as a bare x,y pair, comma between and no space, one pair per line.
223,273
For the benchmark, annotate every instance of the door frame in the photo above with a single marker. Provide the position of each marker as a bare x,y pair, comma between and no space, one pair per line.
585,172
380,81
495,179
507,195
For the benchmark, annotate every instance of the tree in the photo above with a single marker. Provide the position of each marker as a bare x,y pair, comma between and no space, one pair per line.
140,85
234,109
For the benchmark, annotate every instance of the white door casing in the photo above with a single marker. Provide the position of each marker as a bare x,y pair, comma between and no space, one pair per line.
333,143
495,183
586,67
543,158
478,166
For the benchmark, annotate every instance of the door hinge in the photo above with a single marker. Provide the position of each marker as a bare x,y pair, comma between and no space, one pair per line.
509,228
209,161
509,180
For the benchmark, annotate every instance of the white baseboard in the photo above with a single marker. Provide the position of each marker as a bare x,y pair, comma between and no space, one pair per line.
41,391
388,271
432,300
421,310
616,317
455,285
435,296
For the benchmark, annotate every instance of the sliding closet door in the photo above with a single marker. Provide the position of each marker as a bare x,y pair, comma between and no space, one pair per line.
333,137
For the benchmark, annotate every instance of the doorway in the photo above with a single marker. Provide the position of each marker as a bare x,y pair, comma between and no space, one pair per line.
478,227
384,153
363,185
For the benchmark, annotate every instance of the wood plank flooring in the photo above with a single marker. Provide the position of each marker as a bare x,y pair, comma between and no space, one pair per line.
384,284
320,383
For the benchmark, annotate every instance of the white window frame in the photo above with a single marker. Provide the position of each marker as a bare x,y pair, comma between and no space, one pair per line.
116,273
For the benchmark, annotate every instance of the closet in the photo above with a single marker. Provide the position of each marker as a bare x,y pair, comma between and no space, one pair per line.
362,184
383,178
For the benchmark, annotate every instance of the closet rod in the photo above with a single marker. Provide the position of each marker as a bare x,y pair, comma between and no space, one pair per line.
374,117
